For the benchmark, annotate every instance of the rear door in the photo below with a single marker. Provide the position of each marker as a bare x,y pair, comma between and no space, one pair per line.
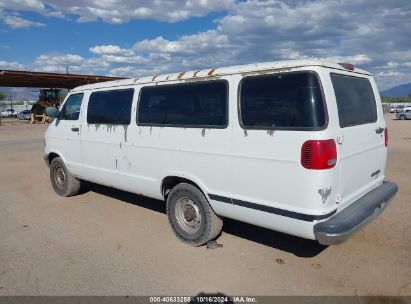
361,140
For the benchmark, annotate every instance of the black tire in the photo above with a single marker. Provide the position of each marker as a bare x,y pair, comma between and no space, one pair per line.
403,117
206,225
64,183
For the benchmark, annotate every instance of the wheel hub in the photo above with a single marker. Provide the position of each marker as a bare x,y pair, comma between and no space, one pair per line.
188,215
60,177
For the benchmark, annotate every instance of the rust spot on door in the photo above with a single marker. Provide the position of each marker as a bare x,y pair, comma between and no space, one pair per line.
180,75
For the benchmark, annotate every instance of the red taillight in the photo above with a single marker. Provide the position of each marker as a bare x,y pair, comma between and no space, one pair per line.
319,154
386,137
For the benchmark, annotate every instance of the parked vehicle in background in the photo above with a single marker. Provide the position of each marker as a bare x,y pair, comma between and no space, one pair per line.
9,113
404,114
397,109
296,146
25,115
5,113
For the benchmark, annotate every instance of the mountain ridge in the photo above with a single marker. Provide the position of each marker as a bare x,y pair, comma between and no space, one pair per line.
402,90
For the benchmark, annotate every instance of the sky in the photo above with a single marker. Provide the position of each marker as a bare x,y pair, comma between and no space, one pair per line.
145,37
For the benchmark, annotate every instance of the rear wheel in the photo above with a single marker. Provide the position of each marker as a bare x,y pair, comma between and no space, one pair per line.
403,117
64,183
191,216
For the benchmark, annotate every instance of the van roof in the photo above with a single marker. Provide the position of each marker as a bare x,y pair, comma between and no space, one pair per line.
253,68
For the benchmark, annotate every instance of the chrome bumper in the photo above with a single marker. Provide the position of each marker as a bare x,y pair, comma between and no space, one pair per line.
344,224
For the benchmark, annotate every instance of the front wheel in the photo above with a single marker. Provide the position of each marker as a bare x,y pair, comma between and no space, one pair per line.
64,183
191,216
403,117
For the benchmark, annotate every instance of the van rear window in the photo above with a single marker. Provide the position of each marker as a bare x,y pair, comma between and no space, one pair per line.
355,100
282,101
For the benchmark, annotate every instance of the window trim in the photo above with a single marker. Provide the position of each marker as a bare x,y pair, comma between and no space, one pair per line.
63,106
336,102
111,90
225,126
326,117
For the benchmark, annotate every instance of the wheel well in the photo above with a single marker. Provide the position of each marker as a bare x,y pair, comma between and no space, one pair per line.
171,181
52,156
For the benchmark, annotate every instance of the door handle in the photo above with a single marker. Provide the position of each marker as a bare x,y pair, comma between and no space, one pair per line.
75,129
379,130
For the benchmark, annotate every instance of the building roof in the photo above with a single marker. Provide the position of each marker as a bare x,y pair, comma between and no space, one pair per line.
10,78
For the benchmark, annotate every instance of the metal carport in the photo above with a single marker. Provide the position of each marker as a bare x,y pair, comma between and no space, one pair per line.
29,79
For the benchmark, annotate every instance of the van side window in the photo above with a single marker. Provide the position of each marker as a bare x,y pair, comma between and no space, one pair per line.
282,101
71,108
201,104
355,100
110,107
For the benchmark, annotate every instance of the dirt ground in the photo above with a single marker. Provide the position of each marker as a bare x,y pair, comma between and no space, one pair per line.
108,242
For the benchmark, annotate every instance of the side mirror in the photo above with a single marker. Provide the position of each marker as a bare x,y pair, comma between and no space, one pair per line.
52,112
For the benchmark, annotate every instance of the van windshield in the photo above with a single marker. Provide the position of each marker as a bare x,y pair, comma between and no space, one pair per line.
355,100
282,101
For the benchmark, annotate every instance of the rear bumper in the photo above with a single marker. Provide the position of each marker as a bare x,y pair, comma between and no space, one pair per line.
344,224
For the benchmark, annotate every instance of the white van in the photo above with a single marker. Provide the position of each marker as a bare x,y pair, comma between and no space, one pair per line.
296,146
